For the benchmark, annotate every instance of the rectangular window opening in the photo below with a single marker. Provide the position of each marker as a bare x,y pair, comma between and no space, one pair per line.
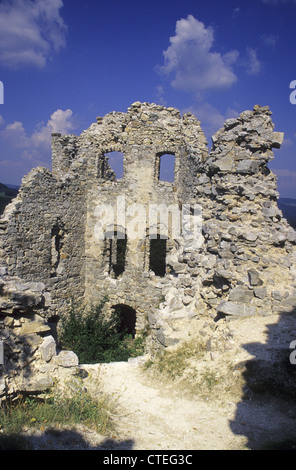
167,167
115,161
117,255
157,256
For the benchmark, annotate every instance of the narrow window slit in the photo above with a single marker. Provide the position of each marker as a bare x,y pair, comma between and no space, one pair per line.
157,256
117,255
56,244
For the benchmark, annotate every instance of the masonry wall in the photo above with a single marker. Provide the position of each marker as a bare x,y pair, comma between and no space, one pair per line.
42,237
241,263
142,135
252,245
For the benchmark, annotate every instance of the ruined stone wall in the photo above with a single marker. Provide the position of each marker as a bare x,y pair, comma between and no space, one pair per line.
142,135
42,236
242,262
31,360
247,233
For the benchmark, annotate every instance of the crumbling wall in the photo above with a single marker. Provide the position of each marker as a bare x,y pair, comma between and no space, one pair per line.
240,262
31,359
253,244
143,134
42,236
245,265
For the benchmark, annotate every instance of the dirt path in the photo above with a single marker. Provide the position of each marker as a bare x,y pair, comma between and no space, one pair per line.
151,415
150,419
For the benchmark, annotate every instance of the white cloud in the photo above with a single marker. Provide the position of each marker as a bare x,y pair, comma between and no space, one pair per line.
15,135
159,93
270,40
287,142
30,30
193,63
36,147
60,121
21,151
252,62
284,173
211,118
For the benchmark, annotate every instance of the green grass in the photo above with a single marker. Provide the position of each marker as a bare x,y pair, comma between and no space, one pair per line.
174,362
186,368
69,406
94,339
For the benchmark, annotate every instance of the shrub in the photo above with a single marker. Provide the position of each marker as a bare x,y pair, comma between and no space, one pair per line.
95,338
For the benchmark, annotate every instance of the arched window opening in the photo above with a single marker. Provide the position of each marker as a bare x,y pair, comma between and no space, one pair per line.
127,317
166,167
117,254
157,256
115,160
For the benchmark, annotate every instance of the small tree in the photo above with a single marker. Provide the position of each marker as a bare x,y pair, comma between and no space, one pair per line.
93,337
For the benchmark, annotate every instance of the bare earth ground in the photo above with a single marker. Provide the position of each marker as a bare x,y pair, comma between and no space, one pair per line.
153,415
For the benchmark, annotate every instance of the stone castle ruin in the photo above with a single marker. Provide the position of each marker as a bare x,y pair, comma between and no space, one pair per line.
73,233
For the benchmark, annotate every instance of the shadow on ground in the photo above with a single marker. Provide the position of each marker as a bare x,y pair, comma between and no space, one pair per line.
266,415
53,439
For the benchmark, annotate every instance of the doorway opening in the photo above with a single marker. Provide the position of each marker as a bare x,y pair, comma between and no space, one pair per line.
127,317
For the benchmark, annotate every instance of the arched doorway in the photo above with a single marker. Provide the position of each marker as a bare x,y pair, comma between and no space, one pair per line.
128,318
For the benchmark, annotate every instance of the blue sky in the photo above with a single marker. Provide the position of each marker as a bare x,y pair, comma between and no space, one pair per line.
64,62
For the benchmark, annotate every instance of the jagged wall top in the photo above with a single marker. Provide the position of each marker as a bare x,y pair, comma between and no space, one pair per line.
145,125
243,145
